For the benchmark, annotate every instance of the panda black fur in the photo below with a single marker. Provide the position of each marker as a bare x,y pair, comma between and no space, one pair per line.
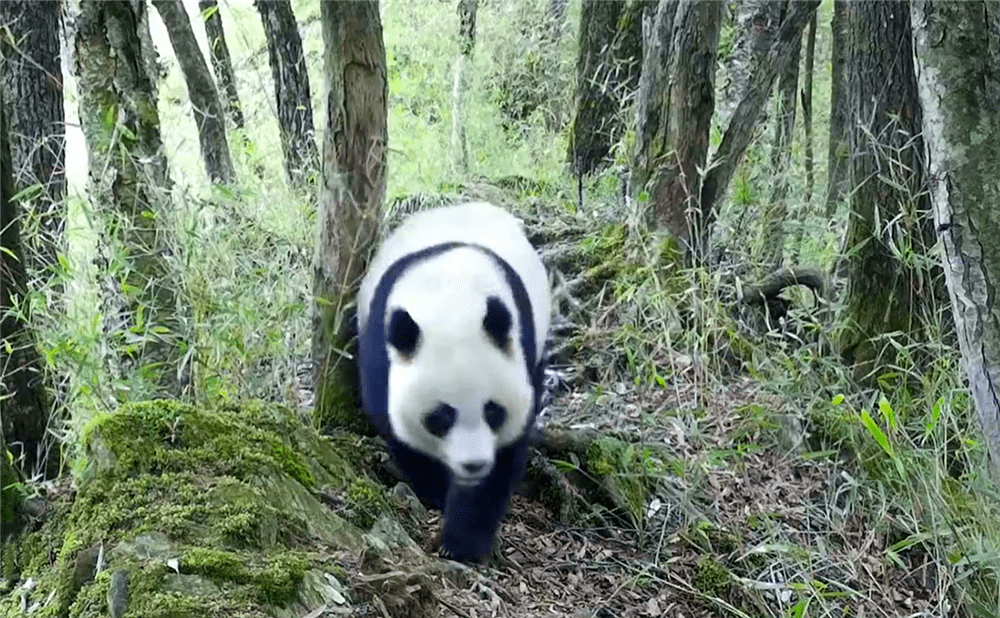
453,315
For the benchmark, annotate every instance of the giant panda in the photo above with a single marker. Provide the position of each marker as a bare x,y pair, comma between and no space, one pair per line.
452,318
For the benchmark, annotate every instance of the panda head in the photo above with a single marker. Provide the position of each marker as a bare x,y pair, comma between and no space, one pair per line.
458,388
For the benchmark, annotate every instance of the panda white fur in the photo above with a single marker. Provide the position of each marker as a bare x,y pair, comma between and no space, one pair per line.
453,315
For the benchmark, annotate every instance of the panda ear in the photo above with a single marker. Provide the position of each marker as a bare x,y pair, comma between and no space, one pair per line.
497,322
403,333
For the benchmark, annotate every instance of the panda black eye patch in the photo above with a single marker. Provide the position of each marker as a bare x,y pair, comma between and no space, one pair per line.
495,415
440,420
497,322
403,333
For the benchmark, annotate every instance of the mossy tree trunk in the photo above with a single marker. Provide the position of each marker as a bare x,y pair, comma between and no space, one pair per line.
129,184
291,89
676,101
201,90
22,388
222,63
757,22
354,176
466,44
32,76
607,71
887,289
955,76
837,152
723,163
773,222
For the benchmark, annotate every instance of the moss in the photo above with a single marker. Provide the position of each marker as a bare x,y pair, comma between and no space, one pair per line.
278,583
711,578
337,408
624,473
215,564
365,502
11,492
215,489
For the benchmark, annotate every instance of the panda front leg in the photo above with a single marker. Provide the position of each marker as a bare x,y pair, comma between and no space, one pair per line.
472,514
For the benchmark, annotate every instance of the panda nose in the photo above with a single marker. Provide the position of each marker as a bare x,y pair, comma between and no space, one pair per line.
475,467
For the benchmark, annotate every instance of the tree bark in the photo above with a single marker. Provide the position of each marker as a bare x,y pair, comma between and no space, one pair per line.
954,46
354,176
22,390
466,43
756,24
222,64
741,126
201,90
837,153
885,293
807,101
676,101
776,211
129,182
291,89
607,71
32,78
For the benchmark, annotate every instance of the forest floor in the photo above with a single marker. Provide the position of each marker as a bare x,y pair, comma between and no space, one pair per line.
758,536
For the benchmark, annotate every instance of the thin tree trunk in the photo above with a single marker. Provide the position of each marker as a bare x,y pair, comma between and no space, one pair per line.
129,180
467,42
607,71
757,22
677,98
354,176
885,293
773,232
744,120
32,78
222,64
962,136
291,89
22,391
807,99
837,153
201,90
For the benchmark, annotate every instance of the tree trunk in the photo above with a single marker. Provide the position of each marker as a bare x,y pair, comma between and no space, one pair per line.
607,71
201,90
222,64
884,293
756,24
22,390
837,153
354,157
466,43
744,120
129,182
773,221
291,89
676,101
807,102
956,76
32,78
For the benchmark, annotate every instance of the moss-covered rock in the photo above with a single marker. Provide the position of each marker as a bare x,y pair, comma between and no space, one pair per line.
183,511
